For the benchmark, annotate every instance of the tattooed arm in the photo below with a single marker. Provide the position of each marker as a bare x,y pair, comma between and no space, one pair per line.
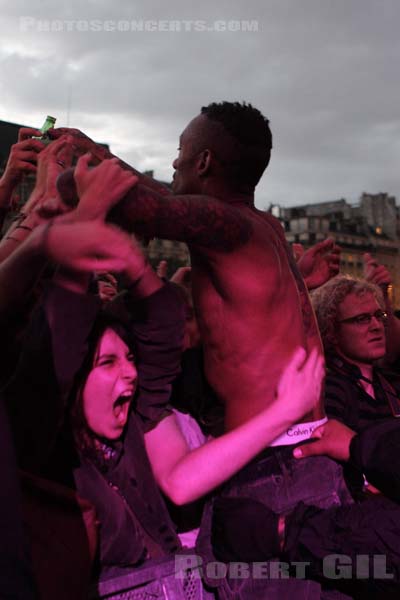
152,211
194,219
199,220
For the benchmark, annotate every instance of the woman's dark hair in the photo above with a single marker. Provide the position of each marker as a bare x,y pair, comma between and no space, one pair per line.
84,437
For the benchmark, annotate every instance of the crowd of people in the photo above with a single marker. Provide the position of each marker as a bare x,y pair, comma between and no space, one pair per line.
141,416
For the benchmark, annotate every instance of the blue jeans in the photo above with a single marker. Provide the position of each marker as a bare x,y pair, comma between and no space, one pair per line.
280,482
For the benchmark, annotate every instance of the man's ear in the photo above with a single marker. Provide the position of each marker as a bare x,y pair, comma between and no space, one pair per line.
204,162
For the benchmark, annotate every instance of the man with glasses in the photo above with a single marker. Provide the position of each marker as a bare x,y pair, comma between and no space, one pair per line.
351,316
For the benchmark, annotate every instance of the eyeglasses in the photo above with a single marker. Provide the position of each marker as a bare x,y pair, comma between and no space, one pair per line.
366,318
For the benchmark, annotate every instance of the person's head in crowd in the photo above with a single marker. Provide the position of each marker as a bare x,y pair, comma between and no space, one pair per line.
351,318
224,149
107,286
105,385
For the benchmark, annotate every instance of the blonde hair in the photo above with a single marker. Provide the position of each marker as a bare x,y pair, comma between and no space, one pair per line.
327,298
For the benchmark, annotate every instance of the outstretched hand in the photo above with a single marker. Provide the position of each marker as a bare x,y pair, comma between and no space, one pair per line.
299,387
162,269
331,439
319,263
53,160
183,276
101,187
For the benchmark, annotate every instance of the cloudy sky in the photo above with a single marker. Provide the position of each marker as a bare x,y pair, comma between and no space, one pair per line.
325,72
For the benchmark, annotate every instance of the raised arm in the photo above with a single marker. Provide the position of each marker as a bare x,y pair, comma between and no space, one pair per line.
22,250
44,201
21,161
22,259
36,393
199,220
56,341
194,219
319,263
380,275
19,274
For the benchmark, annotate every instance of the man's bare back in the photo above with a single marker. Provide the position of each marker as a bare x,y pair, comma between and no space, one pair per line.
252,316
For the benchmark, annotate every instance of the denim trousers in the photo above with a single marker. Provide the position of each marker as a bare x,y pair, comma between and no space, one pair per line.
279,481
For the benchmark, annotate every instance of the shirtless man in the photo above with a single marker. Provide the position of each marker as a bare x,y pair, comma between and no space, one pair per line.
250,299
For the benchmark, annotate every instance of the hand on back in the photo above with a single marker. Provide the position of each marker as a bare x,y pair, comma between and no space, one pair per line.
299,387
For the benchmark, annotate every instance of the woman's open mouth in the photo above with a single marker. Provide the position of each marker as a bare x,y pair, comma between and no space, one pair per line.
121,408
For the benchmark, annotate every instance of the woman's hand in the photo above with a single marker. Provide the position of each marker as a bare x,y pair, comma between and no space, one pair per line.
53,160
299,387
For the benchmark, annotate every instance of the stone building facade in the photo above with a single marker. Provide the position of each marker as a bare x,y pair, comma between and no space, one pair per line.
370,226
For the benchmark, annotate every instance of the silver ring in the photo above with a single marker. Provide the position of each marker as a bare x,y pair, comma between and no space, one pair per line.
61,163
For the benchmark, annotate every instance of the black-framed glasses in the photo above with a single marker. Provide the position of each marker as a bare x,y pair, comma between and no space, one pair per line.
366,318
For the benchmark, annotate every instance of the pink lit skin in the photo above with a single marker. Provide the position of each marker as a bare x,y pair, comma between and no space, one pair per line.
109,388
360,344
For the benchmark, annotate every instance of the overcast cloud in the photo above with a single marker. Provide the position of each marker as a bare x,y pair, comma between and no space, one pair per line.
325,72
